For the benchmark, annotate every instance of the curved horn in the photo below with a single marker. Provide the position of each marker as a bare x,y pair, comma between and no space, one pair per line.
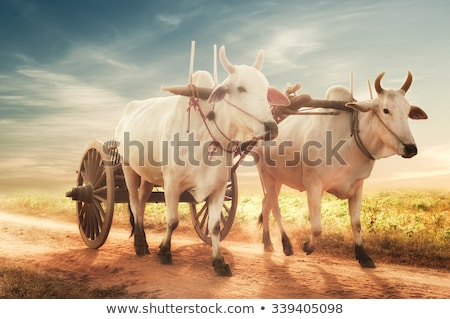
377,84
259,60
224,60
203,92
407,84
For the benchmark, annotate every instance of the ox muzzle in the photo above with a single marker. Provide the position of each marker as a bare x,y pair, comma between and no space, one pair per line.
271,131
410,150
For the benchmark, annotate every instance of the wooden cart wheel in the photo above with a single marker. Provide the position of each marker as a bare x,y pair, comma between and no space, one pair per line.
94,194
200,214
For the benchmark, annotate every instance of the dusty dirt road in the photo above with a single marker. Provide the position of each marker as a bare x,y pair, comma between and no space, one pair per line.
56,247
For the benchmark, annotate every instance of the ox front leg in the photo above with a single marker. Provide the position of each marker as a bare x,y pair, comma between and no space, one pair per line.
288,250
264,221
354,205
172,199
215,204
270,203
314,196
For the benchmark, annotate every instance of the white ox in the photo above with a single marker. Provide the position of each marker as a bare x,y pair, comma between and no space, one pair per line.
334,154
157,148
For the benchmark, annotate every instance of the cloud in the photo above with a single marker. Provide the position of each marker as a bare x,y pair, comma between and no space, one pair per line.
288,45
40,87
47,118
171,20
75,83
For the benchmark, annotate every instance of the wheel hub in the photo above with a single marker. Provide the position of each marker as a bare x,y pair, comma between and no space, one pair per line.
82,193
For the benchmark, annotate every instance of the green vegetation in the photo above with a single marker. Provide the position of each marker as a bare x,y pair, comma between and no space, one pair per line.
399,226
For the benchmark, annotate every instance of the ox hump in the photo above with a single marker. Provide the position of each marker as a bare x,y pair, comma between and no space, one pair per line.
202,79
338,93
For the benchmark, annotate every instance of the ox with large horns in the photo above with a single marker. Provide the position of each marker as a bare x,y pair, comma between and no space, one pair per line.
334,154
164,145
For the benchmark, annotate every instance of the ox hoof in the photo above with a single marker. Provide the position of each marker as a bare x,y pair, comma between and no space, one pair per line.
364,260
221,267
307,249
287,246
269,249
141,250
367,263
165,258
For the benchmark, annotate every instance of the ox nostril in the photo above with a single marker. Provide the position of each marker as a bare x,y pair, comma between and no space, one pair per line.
271,129
410,150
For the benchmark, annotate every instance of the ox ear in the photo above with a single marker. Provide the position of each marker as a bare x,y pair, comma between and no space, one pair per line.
416,113
277,98
218,94
360,106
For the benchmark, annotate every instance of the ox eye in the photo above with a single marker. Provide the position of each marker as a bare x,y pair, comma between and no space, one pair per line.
241,89
385,111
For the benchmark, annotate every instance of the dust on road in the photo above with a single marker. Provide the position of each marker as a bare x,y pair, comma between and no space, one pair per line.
56,247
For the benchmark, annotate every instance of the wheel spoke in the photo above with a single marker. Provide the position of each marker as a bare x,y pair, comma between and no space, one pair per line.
93,165
228,193
87,229
204,225
204,217
227,209
82,217
101,213
94,224
98,217
101,180
98,169
88,166
223,219
83,174
99,198
101,191
201,211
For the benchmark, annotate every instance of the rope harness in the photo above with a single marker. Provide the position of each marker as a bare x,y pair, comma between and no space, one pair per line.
356,131
355,134
194,103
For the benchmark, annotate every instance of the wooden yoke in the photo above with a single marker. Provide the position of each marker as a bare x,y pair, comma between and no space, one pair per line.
303,104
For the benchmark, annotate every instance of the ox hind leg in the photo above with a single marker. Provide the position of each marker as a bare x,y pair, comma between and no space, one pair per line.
172,196
139,192
270,203
354,207
314,196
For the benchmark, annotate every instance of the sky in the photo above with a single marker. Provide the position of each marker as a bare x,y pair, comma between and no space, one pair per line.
68,68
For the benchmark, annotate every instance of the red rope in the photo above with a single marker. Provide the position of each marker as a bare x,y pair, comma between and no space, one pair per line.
195,105
194,99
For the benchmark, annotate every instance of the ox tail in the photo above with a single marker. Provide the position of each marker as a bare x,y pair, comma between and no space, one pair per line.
132,223
260,220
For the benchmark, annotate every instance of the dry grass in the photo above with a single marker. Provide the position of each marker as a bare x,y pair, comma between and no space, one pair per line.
399,226
17,282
